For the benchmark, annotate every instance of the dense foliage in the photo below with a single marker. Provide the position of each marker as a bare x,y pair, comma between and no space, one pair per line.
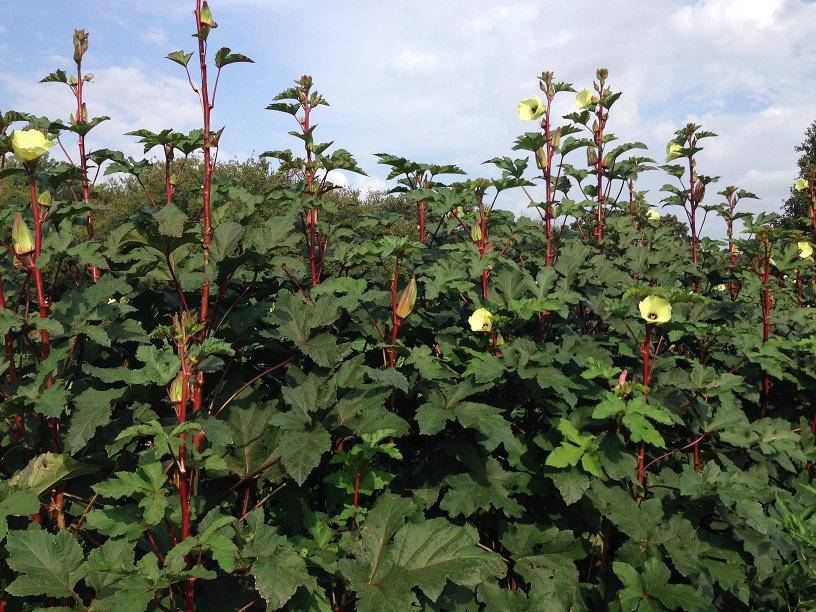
248,393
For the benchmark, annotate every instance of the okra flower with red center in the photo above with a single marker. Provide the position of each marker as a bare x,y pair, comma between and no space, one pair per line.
481,320
531,108
655,309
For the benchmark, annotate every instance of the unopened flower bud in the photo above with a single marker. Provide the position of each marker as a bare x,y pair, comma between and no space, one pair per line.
541,159
207,17
21,239
699,191
176,389
407,299
80,45
592,156
44,198
476,232
555,138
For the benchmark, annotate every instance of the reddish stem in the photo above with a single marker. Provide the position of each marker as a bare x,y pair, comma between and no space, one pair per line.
421,215
356,490
599,220
206,238
83,164
395,320
766,318
645,353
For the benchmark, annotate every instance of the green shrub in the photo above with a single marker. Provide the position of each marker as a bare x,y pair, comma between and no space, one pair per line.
241,388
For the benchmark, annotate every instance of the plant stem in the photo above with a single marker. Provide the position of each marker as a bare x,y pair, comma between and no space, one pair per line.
83,164
645,353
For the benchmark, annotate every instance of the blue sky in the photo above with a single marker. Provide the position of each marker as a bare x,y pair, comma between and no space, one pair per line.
439,81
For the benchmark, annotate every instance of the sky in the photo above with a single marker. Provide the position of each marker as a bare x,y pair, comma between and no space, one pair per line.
439,81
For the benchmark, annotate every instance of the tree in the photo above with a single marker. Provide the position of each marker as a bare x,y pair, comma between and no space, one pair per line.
795,208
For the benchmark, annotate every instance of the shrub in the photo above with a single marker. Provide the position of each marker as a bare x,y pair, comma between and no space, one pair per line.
260,393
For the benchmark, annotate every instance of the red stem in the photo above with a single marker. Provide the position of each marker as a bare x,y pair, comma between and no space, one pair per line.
421,215
395,320
766,319
206,238
645,352
83,164
356,490
599,229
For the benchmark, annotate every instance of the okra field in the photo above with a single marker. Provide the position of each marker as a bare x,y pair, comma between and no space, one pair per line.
238,398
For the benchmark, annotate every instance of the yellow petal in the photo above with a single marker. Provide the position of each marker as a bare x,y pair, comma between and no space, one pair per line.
584,99
673,151
655,309
531,108
30,145
481,320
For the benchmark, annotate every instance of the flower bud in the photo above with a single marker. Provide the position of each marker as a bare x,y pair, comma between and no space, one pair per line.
80,45
407,299
555,138
476,232
207,17
44,198
541,159
175,391
699,191
21,239
592,156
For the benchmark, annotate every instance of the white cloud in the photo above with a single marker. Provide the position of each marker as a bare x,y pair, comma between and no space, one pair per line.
739,67
440,81
155,35
414,62
131,97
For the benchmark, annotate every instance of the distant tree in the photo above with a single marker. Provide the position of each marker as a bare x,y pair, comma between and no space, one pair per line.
795,208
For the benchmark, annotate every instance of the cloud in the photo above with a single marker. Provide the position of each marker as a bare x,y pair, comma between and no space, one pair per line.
440,81
155,35
414,62
130,96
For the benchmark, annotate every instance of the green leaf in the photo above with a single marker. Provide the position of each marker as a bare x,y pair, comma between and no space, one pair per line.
224,57
171,220
279,573
15,502
301,451
180,57
46,470
93,410
45,563
146,484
